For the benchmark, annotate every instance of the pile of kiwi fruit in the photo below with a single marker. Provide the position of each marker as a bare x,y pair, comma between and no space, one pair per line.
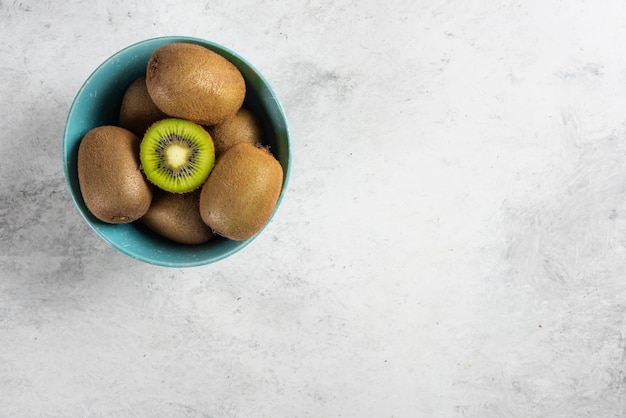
187,159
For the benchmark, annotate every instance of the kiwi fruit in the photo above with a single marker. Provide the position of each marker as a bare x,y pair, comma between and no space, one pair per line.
241,193
243,126
109,176
177,155
177,217
138,111
189,81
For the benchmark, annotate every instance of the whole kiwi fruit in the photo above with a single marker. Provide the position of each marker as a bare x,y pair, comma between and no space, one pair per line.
241,193
243,126
177,217
189,81
110,180
138,111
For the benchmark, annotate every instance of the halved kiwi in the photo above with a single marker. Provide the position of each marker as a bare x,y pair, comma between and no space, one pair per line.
177,155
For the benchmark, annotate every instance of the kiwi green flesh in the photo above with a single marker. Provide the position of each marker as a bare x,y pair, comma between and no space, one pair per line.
177,155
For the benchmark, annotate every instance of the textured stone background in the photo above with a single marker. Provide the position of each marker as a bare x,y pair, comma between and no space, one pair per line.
452,242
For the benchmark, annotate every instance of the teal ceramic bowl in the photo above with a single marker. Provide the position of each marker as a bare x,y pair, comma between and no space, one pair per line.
98,102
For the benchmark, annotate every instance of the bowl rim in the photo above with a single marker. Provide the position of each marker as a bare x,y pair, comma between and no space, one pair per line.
66,154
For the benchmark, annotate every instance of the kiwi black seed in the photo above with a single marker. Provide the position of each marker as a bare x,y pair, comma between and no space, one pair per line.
177,155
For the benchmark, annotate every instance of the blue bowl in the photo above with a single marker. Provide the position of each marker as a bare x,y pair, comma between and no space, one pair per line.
98,103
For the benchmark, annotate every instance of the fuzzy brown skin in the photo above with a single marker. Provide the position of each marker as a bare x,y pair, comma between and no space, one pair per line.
241,193
138,111
192,82
244,126
111,182
177,217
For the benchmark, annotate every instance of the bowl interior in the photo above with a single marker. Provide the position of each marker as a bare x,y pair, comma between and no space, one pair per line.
98,103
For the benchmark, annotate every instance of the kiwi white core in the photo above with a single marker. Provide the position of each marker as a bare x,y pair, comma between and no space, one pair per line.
177,155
